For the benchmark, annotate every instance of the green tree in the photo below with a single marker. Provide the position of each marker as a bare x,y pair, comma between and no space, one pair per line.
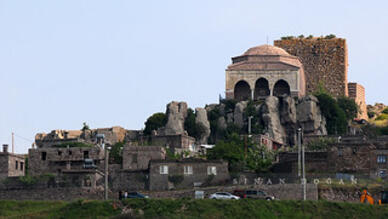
349,106
116,153
190,123
157,120
259,159
85,126
336,121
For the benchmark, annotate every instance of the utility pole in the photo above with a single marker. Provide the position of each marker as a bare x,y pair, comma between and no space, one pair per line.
299,151
100,140
250,124
106,170
304,174
13,143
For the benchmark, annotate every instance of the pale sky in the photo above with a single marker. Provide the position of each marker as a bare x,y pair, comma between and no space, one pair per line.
111,63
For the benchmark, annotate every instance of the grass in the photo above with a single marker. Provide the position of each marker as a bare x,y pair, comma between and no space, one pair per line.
189,208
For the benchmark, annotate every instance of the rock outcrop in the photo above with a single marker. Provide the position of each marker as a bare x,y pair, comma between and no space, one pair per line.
309,116
238,116
287,113
271,119
202,121
176,114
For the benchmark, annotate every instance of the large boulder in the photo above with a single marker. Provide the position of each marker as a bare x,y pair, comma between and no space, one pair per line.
288,118
238,115
202,121
271,119
309,116
176,114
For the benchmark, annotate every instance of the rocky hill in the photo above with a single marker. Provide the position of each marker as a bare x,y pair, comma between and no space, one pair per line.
276,117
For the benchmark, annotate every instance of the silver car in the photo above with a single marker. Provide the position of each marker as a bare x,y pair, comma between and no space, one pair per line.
223,195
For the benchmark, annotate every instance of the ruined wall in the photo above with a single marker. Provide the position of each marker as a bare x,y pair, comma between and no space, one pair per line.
357,93
58,159
325,61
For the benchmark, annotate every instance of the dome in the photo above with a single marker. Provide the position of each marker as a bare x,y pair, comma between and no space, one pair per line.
266,50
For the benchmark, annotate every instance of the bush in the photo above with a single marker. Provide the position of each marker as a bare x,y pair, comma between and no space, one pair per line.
335,116
371,114
385,110
115,155
330,36
320,144
194,129
349,106
382,117
157,120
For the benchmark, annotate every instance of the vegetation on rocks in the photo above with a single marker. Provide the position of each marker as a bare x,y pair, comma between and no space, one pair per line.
157,120
242,155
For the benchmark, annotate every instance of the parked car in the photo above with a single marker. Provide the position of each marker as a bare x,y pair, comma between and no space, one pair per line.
223,195
240,193
258,194
136,195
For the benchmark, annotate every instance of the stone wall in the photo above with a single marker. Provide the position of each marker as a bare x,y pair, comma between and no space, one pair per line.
325,62
357,93
199,174
66,194
138,157
124,180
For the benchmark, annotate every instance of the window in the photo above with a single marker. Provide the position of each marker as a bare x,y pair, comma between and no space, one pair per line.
188,170
43,155
86,154
163,169
381,158
70,152
21,166
59,153
211,170
339,152
16,165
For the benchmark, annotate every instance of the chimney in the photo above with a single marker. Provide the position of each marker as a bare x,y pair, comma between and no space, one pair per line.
5,148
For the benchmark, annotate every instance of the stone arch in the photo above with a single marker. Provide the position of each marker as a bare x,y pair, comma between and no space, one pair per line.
242,91
281,88
261,88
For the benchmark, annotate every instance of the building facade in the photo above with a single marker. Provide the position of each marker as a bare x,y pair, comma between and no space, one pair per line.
264,71
11,164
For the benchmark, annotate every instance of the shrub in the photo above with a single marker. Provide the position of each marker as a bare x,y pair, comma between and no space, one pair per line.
115,155
382,117
385,110
349,106
320,144
330,36
335,116
157,120
190,123
371,114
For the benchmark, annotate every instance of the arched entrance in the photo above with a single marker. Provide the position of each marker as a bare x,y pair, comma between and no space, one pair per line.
242,91
261,89
281,88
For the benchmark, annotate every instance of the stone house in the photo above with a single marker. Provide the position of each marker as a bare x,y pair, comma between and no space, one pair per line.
56,160
187,173
11,164
175,143
138,157
367,157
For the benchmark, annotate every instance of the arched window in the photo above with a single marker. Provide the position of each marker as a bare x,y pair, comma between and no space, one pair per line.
242,91
281,88
261,89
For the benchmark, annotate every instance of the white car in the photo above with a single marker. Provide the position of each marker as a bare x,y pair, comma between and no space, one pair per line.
223,195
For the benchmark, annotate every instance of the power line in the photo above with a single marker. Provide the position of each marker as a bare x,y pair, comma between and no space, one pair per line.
23,138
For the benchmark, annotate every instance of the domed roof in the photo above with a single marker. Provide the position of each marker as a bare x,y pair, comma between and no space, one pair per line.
266,50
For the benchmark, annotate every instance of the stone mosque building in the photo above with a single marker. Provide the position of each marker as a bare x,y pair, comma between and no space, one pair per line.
264,71
295,67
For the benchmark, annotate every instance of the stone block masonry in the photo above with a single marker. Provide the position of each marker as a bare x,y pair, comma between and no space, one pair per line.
325,62
357,93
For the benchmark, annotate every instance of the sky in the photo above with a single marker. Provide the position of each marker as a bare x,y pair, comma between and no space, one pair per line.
115,63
